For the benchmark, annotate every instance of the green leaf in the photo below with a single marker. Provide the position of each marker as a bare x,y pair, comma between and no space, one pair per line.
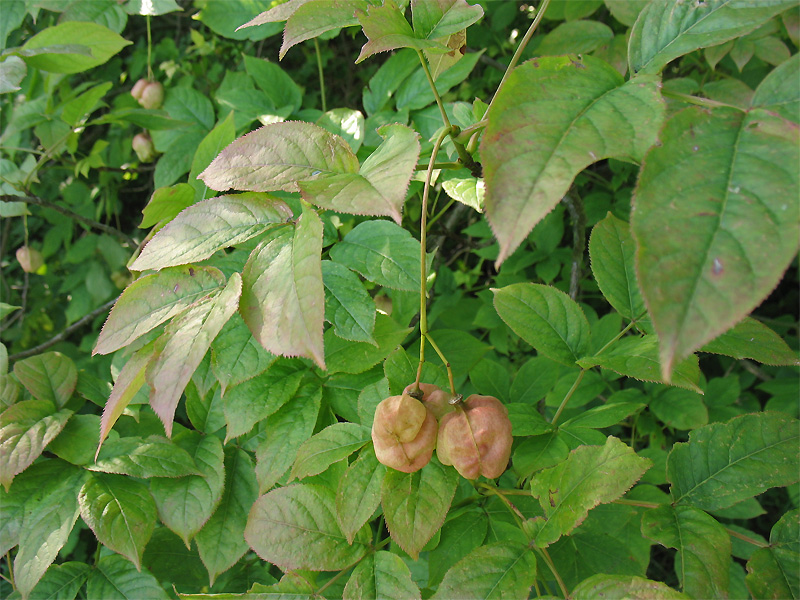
752,339
725,463
624,586
777,93
346,123
280,156
381,575
256,399
283,300
491,378
12,71
78,441
186,503
604,416
383,253
637,357
46,525
152,457
83,105
153,299
611,249
121,513
210,225
152,8
166,203
25,429
221,541
295,527
386,29
115,577
539,452
534,380
219,137
61,582
435,20
625,11
359,493
382,86
183,345
703,545
665,30
129,382
500,570
461,186
168,559
236,356
526,420
590,476
577,37
546,318
379,187
679,409
773,572
735,173
460,535
415,92
286,430
309,21
330,445
531,160
343,356
97,45
416,504
348,306
50,376
275,82
226,18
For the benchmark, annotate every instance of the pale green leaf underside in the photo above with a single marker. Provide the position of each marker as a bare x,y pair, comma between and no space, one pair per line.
725,463
728,182
553,117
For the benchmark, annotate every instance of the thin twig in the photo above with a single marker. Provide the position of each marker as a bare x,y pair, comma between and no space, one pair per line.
129,241
321,75
64,334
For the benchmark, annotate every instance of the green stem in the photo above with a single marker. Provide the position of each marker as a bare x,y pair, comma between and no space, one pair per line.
747,539
524,42
615,338
336,577
439,165
440,213
549,561
321,77
423,271
696,100
639,503
428,337
466,134
425,68
149,51
11,570
518,516
568,396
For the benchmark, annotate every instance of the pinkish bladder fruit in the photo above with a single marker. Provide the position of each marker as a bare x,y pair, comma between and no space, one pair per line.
29,259
435,399
404,433
476,438
150,94
143,146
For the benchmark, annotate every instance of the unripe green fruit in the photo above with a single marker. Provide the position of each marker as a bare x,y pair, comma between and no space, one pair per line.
29,259
476,438
404,433
143,146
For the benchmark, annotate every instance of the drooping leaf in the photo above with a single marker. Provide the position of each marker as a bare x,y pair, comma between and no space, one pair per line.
637,357
90,45
774,572
210,225
121,513
665,30
286,430
153,299
221,540
752,339
256,399
546,318
624,586
348,306
359,493
499,570
416,504
612,249
49,376
379,187
725,463
703,545
182,346
116,577
236,356
732,206
129,381
381,575
61,582
383,253
278,156
531,153
295,527
283,298
25,430
154,456
186,503
342,356
590,476
330,445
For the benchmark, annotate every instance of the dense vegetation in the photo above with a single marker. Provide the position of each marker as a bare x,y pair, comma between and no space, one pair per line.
570,207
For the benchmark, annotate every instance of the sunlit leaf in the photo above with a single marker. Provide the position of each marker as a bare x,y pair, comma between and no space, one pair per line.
624,586
150,457
93,45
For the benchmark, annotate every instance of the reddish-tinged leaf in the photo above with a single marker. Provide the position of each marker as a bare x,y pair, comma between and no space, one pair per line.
153,299
319,16
532,152
278,13
49,376
386,28
283,299
182,346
